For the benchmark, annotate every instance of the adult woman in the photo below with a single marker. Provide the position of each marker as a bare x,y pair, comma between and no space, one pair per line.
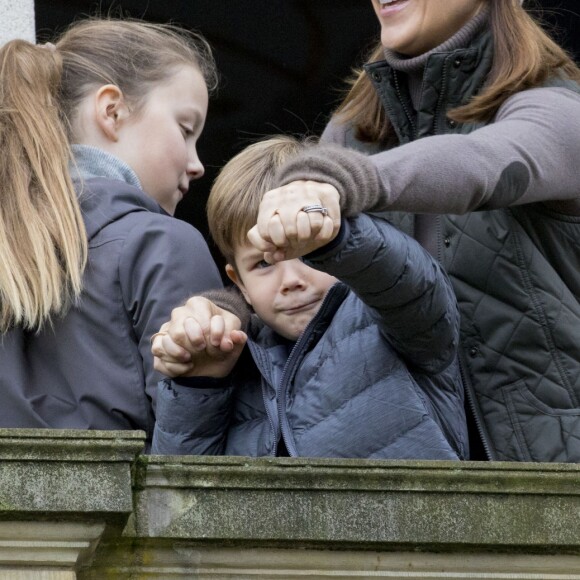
123,102
469,127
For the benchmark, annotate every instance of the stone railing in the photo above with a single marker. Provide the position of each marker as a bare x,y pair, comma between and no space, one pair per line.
90,505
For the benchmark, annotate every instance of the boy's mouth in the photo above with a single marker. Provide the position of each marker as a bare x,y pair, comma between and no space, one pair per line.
301,307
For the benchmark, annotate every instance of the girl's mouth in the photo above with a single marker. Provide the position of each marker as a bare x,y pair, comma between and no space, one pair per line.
391,3
388,7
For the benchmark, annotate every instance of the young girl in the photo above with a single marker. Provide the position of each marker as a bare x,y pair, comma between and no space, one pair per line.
98,137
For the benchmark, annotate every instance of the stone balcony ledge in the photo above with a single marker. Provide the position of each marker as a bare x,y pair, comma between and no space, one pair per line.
371,504
91,505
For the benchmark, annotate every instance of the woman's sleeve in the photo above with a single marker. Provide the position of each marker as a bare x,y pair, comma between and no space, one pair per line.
164,261
407,291
528,154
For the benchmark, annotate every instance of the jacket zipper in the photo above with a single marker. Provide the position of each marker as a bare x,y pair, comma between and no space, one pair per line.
440,100
291,364
281,395
256,355
467,385
474,412
273,452
401,100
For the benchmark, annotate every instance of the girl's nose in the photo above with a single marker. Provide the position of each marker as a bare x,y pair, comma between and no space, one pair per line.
195,168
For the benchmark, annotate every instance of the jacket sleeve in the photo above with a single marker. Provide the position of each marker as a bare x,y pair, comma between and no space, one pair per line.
164,261
192,420
528,154
231,299
407,291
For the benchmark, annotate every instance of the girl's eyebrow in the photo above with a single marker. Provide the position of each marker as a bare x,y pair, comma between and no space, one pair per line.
194,113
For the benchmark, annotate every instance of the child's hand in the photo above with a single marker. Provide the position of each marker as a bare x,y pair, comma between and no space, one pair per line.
201,339
284,231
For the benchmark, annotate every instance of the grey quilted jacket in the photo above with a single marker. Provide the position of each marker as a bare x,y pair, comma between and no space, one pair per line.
374,374
507,232
93,368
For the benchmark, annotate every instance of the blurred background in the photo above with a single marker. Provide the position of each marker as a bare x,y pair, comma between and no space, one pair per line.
282,63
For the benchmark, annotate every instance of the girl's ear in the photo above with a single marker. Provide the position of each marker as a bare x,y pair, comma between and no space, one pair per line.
233,276
110,110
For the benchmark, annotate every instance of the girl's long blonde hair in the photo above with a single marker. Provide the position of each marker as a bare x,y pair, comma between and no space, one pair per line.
524,57
43,243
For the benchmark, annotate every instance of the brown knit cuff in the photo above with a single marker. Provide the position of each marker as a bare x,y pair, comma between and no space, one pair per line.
352,173
230,299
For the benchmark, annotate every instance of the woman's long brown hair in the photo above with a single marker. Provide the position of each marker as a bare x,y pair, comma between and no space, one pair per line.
524,57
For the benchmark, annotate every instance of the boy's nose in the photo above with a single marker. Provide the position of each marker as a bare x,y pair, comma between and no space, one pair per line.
292,275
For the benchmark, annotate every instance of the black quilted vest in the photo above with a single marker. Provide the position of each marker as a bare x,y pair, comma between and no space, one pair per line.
516,273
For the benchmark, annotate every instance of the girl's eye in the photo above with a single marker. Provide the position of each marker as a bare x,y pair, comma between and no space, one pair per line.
186,131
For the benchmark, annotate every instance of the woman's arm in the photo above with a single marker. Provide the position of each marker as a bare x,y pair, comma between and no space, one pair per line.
529,154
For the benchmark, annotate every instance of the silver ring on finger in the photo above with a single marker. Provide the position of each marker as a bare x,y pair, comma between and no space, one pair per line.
160,333
315,207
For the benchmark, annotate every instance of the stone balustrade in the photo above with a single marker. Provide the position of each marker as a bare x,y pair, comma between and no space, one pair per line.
91,505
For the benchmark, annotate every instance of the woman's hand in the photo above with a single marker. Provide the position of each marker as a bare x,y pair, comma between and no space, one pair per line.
284,231
201,339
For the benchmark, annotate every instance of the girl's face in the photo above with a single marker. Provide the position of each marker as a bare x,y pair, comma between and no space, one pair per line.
413,27
159,142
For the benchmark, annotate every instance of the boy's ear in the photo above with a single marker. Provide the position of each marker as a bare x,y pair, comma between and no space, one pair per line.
233,276
110,110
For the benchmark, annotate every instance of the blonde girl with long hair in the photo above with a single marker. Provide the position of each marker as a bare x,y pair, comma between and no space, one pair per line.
98,134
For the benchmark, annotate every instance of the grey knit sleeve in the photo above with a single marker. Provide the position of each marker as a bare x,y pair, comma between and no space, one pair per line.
230,299
353,174
528,154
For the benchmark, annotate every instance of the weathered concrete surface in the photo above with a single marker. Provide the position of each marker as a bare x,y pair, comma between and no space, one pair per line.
64,472
89,505
369,504
61,491
229,517
16,20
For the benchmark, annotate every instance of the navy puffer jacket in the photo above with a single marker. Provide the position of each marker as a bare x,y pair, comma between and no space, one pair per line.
374,374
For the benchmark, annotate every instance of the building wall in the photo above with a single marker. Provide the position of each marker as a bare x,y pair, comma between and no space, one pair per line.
16,20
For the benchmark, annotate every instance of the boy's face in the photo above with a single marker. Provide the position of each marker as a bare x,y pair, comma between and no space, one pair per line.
286,295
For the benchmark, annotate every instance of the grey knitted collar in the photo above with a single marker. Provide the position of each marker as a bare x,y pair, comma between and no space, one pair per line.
90,162
460,39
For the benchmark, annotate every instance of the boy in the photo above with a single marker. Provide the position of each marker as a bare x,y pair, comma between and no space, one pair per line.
350,353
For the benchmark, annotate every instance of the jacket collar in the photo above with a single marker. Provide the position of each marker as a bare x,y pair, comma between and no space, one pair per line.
450,79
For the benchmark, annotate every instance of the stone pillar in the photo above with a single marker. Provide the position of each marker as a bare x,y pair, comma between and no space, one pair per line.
60,491
17,20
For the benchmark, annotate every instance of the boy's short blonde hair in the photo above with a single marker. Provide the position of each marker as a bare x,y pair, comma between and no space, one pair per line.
234,199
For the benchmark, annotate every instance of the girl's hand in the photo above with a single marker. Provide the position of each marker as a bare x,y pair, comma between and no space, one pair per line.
201,339
283,231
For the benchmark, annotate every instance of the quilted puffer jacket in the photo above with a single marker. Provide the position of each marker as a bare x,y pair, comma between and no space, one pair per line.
373,375
505,223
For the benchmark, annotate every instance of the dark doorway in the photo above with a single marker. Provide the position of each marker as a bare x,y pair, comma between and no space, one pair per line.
282,62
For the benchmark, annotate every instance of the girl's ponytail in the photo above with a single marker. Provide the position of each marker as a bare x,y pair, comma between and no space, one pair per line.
43,245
